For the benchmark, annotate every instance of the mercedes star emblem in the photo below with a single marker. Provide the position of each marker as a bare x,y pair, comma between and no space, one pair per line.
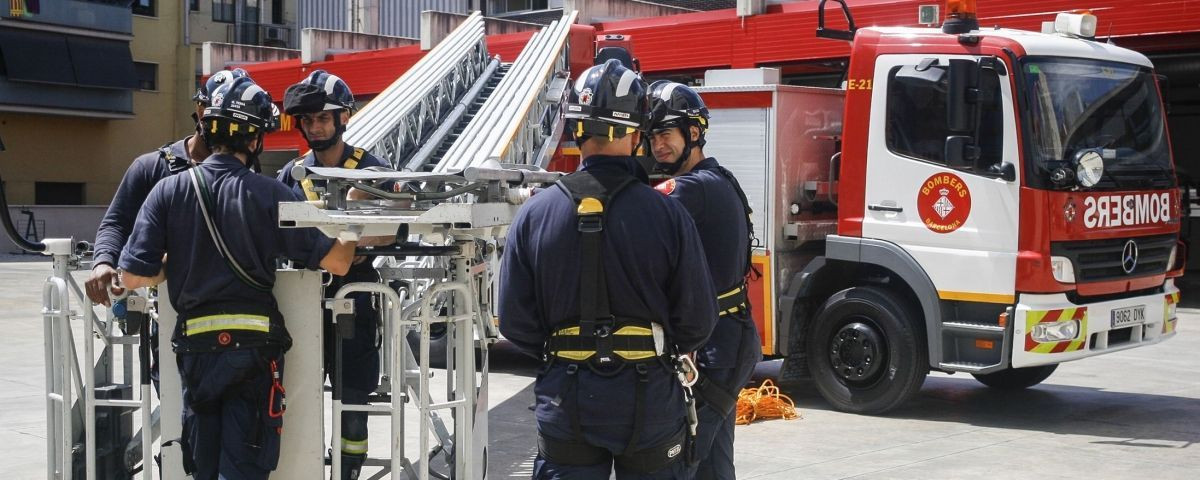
1129,257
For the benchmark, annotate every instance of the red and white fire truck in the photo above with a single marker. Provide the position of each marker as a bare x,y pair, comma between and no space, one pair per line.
987,201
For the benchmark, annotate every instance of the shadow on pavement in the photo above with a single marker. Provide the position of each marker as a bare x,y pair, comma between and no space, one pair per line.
1143,419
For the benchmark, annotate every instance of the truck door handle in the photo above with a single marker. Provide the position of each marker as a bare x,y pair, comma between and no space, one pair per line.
884,208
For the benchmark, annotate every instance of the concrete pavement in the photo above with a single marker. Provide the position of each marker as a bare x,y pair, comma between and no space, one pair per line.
1125,415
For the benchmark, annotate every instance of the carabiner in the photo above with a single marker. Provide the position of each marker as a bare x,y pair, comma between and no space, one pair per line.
276,391
683,368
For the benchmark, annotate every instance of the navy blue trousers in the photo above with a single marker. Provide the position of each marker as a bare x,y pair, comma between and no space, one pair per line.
614,439
225,422
360,373
728,359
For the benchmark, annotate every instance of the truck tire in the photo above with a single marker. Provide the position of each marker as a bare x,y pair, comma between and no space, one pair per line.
865,351
1016,378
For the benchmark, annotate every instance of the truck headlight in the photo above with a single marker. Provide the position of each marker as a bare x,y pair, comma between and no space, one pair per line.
1063,269
1055,331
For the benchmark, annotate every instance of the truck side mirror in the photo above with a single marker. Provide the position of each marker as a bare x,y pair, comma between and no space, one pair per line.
962,96
960,151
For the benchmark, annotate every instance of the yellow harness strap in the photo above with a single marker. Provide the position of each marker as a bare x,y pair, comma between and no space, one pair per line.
628,330
351,163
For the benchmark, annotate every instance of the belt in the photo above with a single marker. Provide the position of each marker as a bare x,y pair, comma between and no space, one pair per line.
630,341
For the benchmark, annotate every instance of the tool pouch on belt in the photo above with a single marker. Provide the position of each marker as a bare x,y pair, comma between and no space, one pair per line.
219,328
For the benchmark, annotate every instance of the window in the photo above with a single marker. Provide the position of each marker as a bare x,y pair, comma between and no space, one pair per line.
194,5
147,75
917,119
57,193
506,6
277,12
222,11
144,7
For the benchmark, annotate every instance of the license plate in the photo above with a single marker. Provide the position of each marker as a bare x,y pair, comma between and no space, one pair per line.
1124,317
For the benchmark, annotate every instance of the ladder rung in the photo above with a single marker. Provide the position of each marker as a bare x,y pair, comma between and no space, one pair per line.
119,403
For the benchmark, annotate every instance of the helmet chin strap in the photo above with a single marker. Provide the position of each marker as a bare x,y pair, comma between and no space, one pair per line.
254,165
323,145
688,145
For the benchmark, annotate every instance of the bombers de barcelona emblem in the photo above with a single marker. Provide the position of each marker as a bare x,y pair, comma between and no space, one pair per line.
944,203
667,187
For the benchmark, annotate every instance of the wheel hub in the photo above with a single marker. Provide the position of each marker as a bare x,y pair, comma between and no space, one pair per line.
857,352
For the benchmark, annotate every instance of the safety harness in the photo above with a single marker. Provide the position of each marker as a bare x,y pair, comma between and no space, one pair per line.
175,164
604,342
352,163
731,301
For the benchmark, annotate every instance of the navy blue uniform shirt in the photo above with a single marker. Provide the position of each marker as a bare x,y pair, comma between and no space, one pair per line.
146,171
720,218
247,213
655,269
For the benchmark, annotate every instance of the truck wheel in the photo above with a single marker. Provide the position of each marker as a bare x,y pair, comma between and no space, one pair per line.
864,351
1016,378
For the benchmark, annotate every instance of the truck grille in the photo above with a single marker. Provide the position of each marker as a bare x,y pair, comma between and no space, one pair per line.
1100,260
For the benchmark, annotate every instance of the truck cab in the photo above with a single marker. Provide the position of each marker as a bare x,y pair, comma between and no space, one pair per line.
1004,201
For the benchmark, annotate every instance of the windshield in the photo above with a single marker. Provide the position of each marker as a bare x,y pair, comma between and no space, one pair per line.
1075,104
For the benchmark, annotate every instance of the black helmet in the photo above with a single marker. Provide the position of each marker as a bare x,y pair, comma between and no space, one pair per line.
675,105
318,92
240,111
607,100
214,81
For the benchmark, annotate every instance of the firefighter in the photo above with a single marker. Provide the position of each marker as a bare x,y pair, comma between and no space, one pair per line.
605,281
718,205
217,224
145,172
321,105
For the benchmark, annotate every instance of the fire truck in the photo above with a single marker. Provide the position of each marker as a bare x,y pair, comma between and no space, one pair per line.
978,200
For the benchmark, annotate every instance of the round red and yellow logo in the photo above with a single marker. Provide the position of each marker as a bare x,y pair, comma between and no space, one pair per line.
944,203
224,338
667,187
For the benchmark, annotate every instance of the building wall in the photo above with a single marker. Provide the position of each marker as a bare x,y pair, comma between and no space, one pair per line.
51,148
398,18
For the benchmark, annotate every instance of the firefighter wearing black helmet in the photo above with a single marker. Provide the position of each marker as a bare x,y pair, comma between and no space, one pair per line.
718,205
215,222
321,105
604,279
141,176
146,171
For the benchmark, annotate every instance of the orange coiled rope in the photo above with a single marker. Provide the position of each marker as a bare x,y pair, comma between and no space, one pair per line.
764,402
